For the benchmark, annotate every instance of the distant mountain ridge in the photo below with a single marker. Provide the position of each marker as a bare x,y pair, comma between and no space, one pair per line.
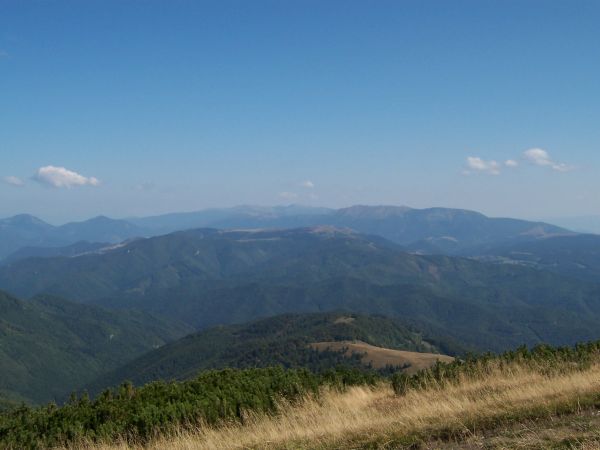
28,231
207,277
432,230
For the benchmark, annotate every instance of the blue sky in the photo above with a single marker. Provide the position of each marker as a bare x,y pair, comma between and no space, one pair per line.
141,107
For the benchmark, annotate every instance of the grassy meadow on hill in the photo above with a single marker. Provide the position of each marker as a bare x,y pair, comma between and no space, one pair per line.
380,358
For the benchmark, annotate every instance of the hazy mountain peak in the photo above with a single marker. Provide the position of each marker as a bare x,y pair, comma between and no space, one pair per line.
25,220
371,212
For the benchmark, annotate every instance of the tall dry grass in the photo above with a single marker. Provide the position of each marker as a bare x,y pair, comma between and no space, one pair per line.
363,416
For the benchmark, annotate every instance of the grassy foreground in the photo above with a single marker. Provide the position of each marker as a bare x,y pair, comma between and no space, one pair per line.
364,417
465,403
277,408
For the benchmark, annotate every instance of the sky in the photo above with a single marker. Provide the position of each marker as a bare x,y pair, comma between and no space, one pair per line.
130,108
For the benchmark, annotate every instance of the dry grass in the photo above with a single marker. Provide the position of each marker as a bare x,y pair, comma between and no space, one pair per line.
377,418
579,430
381,357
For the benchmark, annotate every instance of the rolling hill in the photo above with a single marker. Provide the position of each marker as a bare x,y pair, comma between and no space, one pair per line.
49,346
208,277
286,340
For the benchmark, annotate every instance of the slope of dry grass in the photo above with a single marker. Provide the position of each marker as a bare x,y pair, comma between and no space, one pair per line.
380,357
376,418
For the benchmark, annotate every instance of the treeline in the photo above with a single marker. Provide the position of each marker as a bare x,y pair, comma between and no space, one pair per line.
138,414
542,358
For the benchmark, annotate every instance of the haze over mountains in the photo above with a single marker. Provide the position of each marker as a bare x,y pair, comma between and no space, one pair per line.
434,230
28,231
425,231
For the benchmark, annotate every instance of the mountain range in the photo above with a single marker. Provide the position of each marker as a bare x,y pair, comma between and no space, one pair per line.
28,231
108,300
208,277
433,230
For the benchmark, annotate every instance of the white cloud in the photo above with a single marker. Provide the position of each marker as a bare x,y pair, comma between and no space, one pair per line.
476,164
288,195
14,181
307,184
540,157
511,163
60,177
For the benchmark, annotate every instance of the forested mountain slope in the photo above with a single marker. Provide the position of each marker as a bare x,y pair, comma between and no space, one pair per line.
208,277
575,256
49,346
282,340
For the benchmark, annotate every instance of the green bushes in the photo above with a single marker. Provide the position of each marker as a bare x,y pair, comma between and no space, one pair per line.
140,413
542,358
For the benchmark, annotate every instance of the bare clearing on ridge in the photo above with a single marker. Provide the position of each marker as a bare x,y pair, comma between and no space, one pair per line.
380,357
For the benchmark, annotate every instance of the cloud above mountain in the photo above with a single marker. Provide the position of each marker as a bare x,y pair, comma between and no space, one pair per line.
533,156
476,164
61,177
540,157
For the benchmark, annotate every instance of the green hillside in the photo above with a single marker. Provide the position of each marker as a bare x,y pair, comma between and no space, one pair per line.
49,346
282,340
211,277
